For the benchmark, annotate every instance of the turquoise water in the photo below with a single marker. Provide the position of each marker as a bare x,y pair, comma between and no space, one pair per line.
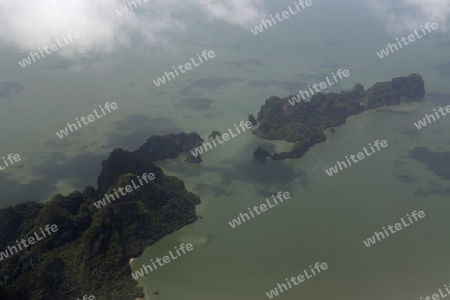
326,219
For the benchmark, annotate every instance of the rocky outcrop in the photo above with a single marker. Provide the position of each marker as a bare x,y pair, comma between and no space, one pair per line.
304,123
409,86
261,154
93,247
391,92
251,119
169,146
214,134
121,162
382,94
193,159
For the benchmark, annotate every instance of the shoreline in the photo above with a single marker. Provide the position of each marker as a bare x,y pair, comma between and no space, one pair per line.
304,123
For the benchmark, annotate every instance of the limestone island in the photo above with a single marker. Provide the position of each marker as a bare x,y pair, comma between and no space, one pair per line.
92,252
304,123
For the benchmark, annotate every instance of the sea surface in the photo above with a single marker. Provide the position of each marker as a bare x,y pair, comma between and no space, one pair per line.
325,220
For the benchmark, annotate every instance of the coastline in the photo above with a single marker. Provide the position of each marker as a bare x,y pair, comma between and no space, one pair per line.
193,220
96,232
304,123
140,281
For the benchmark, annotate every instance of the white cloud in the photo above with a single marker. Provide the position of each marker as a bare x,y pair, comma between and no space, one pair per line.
240,12
406,15
29,24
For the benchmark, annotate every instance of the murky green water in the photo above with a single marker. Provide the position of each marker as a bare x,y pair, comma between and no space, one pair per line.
326,219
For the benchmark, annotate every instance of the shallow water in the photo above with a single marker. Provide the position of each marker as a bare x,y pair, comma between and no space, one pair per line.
326,219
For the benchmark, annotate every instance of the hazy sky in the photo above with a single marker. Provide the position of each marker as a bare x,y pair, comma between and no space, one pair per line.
29,24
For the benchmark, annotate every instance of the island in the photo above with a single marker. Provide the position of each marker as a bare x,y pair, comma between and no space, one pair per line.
304,123
169,146
91,252
214,135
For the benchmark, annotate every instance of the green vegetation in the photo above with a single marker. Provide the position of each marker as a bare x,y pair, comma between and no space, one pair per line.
90,252
304,123
169,146
261,154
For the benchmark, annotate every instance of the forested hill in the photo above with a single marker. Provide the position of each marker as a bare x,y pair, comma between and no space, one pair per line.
89,253
303,123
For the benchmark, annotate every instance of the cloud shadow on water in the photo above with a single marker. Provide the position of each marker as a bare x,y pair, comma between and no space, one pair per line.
239,64
79,171
435,189
443,69
134,130
7,88
270,174
437,162
195,103
211,84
